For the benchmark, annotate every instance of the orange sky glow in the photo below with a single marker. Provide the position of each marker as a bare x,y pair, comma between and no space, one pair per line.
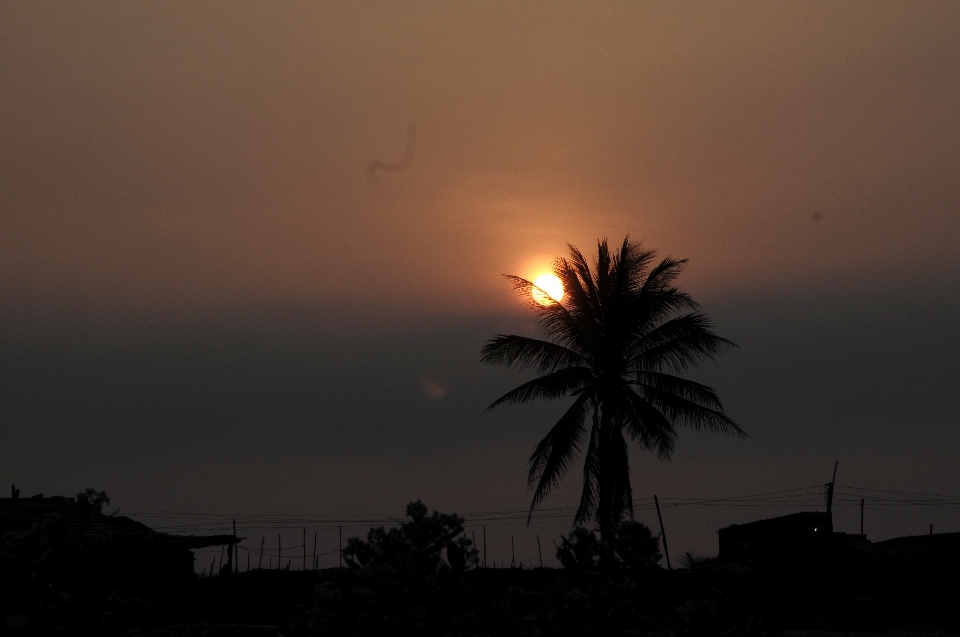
186,156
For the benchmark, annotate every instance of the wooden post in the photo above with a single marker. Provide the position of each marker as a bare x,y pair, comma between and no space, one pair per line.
314,550
484,547
861,516
663,534
262,541
539,552
830,491
156,587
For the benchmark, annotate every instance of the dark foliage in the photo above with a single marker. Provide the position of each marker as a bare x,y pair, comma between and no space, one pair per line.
407,578
399,583
581,550
636,546
633,548
418,545
92,500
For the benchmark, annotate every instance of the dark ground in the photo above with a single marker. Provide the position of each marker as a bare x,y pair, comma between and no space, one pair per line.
558,602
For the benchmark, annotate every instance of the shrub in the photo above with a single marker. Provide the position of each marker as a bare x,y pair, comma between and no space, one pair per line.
634,547
419,544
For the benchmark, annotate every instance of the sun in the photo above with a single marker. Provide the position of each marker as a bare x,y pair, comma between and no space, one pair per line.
550,290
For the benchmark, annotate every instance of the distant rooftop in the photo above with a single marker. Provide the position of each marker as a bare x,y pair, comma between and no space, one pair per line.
22,514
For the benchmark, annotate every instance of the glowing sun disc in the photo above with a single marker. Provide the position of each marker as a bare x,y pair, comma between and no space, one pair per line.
550,290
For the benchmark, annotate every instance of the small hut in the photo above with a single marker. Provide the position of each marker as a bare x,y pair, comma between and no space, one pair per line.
58,544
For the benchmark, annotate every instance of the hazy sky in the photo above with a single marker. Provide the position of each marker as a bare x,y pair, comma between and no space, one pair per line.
206,305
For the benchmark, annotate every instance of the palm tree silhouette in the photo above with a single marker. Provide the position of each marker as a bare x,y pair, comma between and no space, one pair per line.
617,339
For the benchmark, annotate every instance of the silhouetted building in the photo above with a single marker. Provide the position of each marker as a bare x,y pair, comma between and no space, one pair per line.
58,543
936,550
801,542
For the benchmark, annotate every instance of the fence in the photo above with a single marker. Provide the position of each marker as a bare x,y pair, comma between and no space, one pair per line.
328,530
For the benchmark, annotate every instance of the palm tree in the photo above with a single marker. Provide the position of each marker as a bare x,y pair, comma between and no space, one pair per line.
615,344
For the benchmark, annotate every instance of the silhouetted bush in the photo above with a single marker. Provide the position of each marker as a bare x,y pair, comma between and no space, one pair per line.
698,563
634,547
417,545
92,500
405,580
581,550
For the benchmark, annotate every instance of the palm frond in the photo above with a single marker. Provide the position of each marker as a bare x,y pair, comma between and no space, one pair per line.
685,388
580,268
552,456
591,477
677,344
648,425
687,412
558,384
575,326
630,266
662,276
523,352
555,319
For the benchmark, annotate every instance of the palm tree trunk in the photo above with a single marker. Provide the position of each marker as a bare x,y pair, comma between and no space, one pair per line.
605,508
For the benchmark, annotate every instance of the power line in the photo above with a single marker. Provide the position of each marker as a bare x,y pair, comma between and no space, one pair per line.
181,521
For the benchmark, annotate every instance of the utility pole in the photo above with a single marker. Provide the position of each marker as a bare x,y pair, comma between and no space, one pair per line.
663,533
279,551
340,561
484,547
263,541
539,551
513,555
304,549
235,551
861,516
830,491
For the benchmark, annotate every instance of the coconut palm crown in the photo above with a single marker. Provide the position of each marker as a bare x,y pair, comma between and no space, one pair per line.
615,344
